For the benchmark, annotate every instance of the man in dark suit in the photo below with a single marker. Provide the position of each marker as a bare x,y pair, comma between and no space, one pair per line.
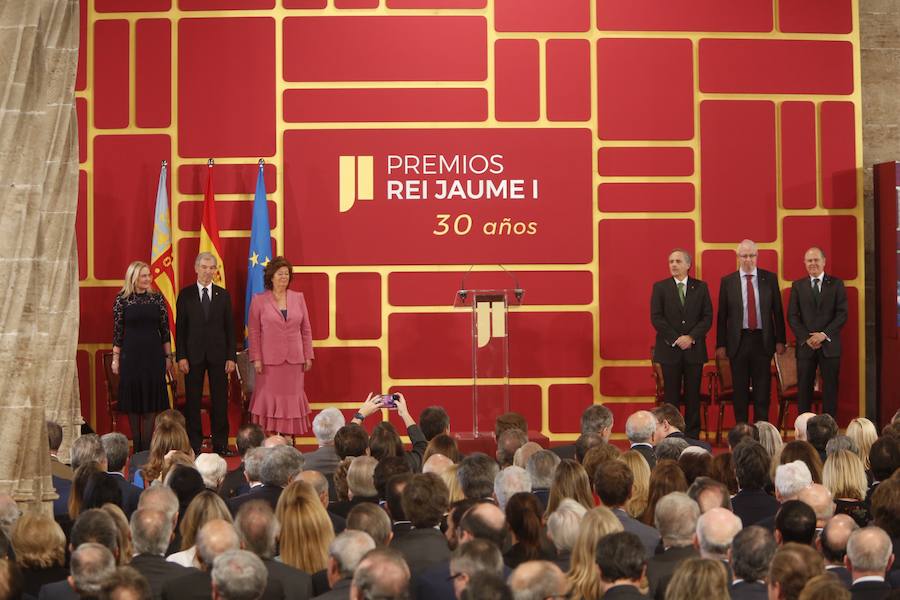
832,543
596,418
816,313
249,436
869,557
280,465
151,532
116,446
204,337
622,565
751,552
751,468
681,313
344,555
613,482
639,429
92,527
750,329
424,501
676,520
670,424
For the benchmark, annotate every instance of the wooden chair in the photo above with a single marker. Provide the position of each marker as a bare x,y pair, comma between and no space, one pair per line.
706,397
724,392
786,384
112,390
246,376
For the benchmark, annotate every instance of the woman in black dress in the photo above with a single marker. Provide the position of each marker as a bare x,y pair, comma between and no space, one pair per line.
141,352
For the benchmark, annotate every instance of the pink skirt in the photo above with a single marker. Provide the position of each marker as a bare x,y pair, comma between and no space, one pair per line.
279,402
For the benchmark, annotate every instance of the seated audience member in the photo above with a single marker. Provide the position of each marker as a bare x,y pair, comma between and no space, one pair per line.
670,423
709,493
869,558
622,564
385,442
344,555
372,519
596,418
275,440
845,477
186,482
257,530
476,475
212,469
325,426
639,429
699,578
166,417
123,531
445,445
715,533
770,438
832,543
563,526
803,450
819,499
749,556
425,499
162,498
280,465
306,530
434,421
101,489
640,490
40,547
58,469
472,558
695,464
524,454
884,460
541,468
676,520
795,522
168,436
92,526
723,471
824,587
437,464
88,449
584,579
385,470
841,442
800,425
537,579
382,573
751,468
790,479
486,586
320,487
613,482
509,481
570,480
205,507
394,504
351,440
585,442
83,475
235,483
360,485
126,584
419,442
886,508
454,516
666,478
151,532
115,446
820,429
741,432
670,448
508,443
791,567
92,565
238,575
523,514
509,420
597,455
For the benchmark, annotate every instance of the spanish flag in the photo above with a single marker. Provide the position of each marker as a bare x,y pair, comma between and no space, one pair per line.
209,228
161,268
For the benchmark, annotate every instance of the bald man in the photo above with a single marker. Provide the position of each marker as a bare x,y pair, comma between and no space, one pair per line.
819,498
832,543
538,579
750,329
437,464
716,529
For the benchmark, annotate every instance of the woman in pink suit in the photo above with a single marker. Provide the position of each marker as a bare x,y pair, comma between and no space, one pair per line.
281,351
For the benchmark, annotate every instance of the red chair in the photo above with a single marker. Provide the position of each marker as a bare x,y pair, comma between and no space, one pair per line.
706,397
786,384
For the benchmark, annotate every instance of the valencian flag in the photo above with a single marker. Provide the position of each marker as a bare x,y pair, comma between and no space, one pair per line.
209,228
161,268
260,244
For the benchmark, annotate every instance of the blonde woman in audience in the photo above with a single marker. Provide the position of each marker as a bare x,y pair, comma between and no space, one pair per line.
637,503
863,432
206,506
306,530
770,438
169,436
584,579
40,546
699,578
452,482
126,550
569,481
845,477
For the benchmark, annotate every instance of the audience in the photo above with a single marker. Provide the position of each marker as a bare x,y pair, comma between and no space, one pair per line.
791,567
509,481
238,575
563,526
382,573
325,426
306,530
699,578
583,576
206,506
800,425
804,451
523,514
715,533
666,478
542,467
596,418
569,481
676,520
425,500
670,424
613,482
751,468
845,477
473,558
795,522
537,579
622,564
344,555
212,469
869,557
508,443
751,552
640,489
40,547
151,532
235,483
476,476
820,429
372,519
832,543
639,429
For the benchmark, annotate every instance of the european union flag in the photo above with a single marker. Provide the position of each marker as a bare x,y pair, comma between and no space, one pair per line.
260,245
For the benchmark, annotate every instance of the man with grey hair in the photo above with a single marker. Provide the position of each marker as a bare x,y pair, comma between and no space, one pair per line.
325,425
151,533
542,468
206,346
507,445
563,527
819,498
280,465
709,493
676,520
791,479
115,445
750,554
475,556
91,566
716,529
841,442
869,557
344,554
670,448
509,481
476,475
524,454
372,519
86,449
238,575
596,418
382,573
258,529
537,580
639,428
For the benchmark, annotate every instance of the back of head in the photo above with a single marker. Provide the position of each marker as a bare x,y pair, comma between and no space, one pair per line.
238,575
348,548
820,429
620,556
160,497
361,477
524,454
699,578
791,478
387,469
819,499
91,566
212,469
597,455
509,481
640,426
676,519
115,445
585,442
477,556
804,451
486,586
95,526
536,580
169,416
670,448
612,482
126,583
485,521
597,418
87,448
509,420
800,425
385,442
101,489
824,587
709,493
508,443
372,519
214,538
841,442
564,524
834,537
751,552
695,462
884,457
437,464
394,495
326,425
669,413
740,432
751,465
796,522
253,461
39,542
186,482
541,467
280,465
792,566
845,476
12,583
869,551
151,531
886,506
351,440
250,435
382,573
257,528
523,514
716,529
425,499
433,421
476,475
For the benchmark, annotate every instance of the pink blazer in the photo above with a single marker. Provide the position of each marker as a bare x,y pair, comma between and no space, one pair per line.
275,340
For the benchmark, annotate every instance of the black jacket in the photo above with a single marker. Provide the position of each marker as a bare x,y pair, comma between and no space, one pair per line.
749,590
422,548
158,571
828,315
268,493
202,339
671,320
731,312
661,567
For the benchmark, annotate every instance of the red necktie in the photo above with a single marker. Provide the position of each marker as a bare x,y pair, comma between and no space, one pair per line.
751,303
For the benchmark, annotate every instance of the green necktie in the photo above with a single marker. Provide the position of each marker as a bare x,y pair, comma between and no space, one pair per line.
681,292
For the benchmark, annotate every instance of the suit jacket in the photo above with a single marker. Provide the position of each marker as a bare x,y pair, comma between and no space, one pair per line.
646,450
623,592
730,319
700,443
338,523
649,536
671,320
661,567
340,591
61,504
268,493
296,584
324,460
752,506
422,548
870,590
234,483
197,585
274,339
343,508
158,571
828,315
60,590
130,494
841,573
203,339
433,583
748,590
564,452
60,469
